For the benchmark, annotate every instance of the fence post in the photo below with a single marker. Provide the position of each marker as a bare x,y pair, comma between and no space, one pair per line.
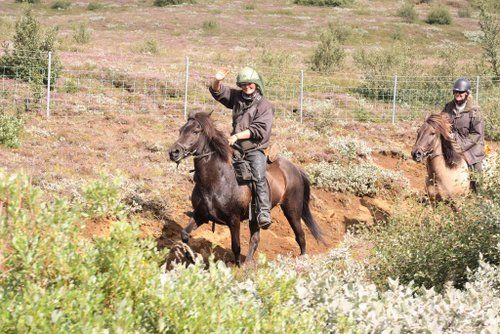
301,96
394,95
186,87
477,90
48,85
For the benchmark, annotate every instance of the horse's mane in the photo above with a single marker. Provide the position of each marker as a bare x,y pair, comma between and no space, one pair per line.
451,150
215,138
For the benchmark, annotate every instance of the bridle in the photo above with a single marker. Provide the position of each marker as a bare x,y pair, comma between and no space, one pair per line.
188,153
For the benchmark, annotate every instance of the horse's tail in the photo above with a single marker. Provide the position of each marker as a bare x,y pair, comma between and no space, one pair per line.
306,211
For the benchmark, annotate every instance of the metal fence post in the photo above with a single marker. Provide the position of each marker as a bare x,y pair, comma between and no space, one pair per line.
48,85
394,95
186,87
477,90
301,97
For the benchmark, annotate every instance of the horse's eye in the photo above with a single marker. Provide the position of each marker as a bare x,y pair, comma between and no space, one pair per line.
196,131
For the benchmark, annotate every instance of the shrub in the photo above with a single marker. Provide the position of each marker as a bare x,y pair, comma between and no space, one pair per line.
490,41
71,86
433,245
28,60
361,180
350,148
94,6
380,65
149,46
81,35
210,26
464,12
60,4
439,15
331,3
408,13
103,198
10,130
329,54
28,1
163,3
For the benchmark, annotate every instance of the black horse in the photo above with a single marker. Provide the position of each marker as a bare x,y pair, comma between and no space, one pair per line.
218,197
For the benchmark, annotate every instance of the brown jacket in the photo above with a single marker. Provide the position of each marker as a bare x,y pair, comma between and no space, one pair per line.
468,127
256,116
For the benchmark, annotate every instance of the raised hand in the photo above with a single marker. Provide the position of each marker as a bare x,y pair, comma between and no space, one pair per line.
221,74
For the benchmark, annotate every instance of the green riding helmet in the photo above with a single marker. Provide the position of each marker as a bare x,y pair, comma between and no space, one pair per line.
249,75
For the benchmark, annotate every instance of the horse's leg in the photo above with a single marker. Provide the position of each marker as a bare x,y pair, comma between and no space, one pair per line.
235,241
186,231
254,241
292,213
185,234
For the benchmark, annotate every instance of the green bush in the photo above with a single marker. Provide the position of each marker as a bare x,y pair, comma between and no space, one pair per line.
439,15
433,245
380,65
490,41
329,54
94,6
210,26
71,86
149,46
10,130
28,60
82,35
103,198
408,13
163,3
60,4
464,12
330,3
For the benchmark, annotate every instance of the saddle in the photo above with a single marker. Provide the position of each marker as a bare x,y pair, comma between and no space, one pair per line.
242,167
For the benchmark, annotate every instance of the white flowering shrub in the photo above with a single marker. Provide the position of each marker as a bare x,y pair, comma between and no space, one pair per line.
363,179
350,148
354,305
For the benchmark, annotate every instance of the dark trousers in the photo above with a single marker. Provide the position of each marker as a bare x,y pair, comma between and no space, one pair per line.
258,163
476,170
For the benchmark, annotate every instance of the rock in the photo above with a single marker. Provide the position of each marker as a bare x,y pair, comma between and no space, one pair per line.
359,218
379,209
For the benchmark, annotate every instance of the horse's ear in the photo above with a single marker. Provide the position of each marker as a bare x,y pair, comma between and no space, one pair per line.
192,114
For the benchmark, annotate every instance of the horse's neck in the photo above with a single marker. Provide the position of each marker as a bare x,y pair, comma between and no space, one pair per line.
445,178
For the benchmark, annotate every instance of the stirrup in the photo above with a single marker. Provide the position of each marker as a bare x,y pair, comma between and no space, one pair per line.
266,222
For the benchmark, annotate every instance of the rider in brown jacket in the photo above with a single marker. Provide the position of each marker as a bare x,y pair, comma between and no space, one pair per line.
252,122
467,125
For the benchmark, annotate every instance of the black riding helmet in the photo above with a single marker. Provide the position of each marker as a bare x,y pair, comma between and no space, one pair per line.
461,85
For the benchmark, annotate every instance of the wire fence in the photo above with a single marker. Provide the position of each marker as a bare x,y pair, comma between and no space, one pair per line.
181,87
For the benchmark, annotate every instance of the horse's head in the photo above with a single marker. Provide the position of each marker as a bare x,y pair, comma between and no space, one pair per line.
435,127
198,136
190,141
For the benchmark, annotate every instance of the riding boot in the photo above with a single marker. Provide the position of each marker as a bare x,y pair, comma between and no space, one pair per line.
258,163
476,170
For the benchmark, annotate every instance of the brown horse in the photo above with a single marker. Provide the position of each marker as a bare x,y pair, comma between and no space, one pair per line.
447,173
218,197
